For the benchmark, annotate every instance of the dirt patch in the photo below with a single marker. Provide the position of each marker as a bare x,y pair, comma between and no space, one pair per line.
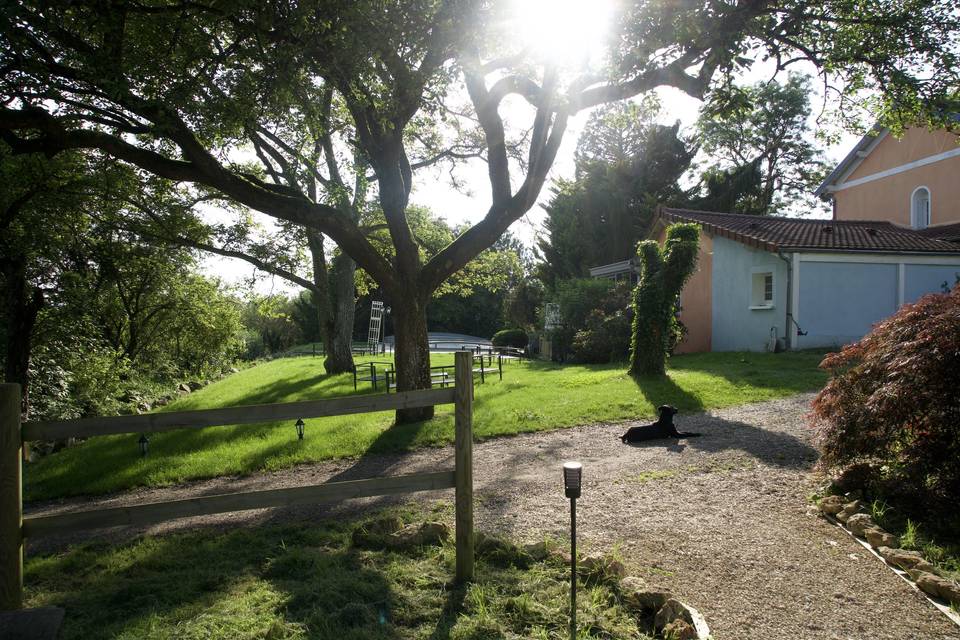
719,520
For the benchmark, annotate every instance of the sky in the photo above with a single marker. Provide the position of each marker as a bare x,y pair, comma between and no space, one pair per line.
570,32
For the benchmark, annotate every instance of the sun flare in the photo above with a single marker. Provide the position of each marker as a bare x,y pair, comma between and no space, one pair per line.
565,32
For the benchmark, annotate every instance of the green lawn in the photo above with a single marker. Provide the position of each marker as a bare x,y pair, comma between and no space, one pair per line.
533,396
309,581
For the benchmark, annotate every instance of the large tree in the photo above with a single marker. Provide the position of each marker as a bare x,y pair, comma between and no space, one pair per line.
172,87
626,165
761,147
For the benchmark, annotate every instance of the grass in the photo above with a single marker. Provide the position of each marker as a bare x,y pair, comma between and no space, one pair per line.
941,547
533,396
307,581
919,526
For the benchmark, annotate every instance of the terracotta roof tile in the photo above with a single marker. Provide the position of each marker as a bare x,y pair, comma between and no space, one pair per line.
773,233
947,232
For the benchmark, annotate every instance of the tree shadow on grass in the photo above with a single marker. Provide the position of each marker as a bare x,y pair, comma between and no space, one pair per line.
266,582
658,390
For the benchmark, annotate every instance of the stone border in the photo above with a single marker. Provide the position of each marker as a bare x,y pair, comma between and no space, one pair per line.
909,566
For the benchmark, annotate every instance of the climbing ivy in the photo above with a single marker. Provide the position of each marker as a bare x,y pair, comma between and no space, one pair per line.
663,272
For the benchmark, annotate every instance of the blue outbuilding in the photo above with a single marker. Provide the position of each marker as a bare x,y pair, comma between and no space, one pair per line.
771,283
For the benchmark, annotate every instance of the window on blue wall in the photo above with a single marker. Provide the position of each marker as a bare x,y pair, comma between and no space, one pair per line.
761,294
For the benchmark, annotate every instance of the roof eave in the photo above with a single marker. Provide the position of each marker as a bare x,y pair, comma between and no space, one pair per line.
898,252
865,141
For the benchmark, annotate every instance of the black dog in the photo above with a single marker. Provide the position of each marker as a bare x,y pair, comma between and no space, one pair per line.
662,428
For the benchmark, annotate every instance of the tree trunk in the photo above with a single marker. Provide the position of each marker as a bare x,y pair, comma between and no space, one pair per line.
23,304
340,352
321,296
411,352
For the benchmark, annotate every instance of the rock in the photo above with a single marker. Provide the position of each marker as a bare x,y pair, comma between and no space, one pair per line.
434,532
877,537
679,630
374,532
183,387
234,370
630,584
559,556
641,597
939,587
144,407
671,610
162,402
923,565
832,505
538,551
602,568
194,385
850,509
674,611
501,552
900,557
428,533
858,523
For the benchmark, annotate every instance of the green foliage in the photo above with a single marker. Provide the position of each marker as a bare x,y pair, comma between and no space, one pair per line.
662,276
510,338
625,165
760,144
893,398
271,325
117,313
605,338
523,303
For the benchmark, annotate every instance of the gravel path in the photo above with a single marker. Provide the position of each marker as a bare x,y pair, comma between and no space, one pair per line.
720,520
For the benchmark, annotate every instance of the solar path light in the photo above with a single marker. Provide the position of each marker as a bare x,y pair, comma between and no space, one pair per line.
144,443
299,426
572,479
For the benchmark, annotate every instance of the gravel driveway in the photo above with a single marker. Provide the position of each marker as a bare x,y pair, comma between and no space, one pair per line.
720,520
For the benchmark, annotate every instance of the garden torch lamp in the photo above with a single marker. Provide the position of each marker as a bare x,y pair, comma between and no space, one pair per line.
572,479
144,443
299,426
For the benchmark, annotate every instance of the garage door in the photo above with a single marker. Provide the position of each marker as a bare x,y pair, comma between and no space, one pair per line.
840,301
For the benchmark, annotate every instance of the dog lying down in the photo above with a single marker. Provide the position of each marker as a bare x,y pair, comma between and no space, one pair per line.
662,428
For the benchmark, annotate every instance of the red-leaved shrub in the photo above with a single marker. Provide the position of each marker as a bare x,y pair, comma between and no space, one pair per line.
894,397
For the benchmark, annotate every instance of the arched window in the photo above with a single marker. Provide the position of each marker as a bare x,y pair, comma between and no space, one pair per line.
920,208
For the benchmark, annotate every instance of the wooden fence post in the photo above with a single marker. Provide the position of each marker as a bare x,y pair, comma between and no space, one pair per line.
11,500
463,457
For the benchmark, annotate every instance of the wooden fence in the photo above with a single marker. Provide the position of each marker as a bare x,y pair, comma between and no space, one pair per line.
15,528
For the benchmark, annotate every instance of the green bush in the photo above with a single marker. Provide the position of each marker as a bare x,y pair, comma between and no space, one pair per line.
606,338
663,273
893,398
510,338
593,311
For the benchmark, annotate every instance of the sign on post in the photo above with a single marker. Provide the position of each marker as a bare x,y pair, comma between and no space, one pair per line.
551,317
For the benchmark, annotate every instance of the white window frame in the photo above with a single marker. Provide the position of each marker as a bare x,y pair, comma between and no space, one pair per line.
764,304
914,223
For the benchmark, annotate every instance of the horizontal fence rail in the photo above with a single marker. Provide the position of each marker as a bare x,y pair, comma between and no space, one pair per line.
249,414
144,514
